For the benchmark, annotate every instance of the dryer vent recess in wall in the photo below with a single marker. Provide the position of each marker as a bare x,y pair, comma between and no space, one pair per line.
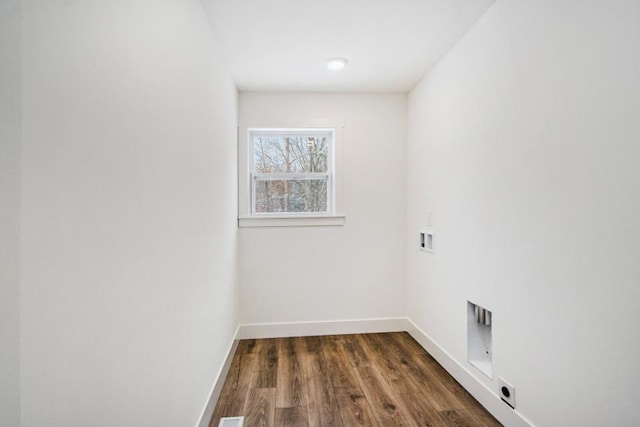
479,351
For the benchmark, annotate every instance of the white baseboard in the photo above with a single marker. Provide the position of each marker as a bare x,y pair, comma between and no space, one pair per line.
216,389
339,327
487,397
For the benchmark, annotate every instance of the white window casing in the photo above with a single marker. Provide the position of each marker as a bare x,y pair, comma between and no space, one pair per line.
248,179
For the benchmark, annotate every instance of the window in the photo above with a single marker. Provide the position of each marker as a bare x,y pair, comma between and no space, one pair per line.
289,173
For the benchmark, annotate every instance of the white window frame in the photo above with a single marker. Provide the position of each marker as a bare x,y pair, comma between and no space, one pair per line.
246,200
253,177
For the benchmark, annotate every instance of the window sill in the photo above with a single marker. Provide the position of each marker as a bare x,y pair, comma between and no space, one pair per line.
292,221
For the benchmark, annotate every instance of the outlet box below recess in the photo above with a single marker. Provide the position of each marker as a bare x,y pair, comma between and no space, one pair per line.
507,393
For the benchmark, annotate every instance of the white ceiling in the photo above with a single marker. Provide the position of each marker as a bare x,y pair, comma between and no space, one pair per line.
390,44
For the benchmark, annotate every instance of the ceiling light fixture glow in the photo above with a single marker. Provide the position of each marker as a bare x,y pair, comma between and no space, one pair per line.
336,63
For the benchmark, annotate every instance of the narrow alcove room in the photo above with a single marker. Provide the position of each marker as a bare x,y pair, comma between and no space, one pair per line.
239,213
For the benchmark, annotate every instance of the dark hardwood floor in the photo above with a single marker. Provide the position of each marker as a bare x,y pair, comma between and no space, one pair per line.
344,380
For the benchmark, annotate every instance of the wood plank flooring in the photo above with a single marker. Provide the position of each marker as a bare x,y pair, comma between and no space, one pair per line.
344,380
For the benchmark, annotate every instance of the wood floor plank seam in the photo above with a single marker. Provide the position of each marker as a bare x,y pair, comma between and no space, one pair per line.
401,382
321,401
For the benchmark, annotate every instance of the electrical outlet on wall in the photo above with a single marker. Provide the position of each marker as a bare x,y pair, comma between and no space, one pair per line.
507,393
426,241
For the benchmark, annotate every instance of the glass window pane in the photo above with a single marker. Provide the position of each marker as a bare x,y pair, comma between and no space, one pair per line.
291,195
294,154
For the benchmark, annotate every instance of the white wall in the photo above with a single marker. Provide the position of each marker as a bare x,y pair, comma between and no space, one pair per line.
10,133
128,224
523,142
355,271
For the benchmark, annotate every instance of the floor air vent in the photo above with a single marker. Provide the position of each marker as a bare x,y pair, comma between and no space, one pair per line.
231,422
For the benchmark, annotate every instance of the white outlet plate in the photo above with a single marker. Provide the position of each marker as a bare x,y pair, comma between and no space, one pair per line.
507,393
427,241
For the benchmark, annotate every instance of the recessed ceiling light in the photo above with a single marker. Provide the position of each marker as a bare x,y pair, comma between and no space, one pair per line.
336,63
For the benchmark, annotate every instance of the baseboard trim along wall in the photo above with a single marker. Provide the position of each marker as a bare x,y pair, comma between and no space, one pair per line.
216,389
338,327
487,397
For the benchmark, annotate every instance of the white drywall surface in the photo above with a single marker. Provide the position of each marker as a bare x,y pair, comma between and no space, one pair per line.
128,223
523,143
10,135
355,271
